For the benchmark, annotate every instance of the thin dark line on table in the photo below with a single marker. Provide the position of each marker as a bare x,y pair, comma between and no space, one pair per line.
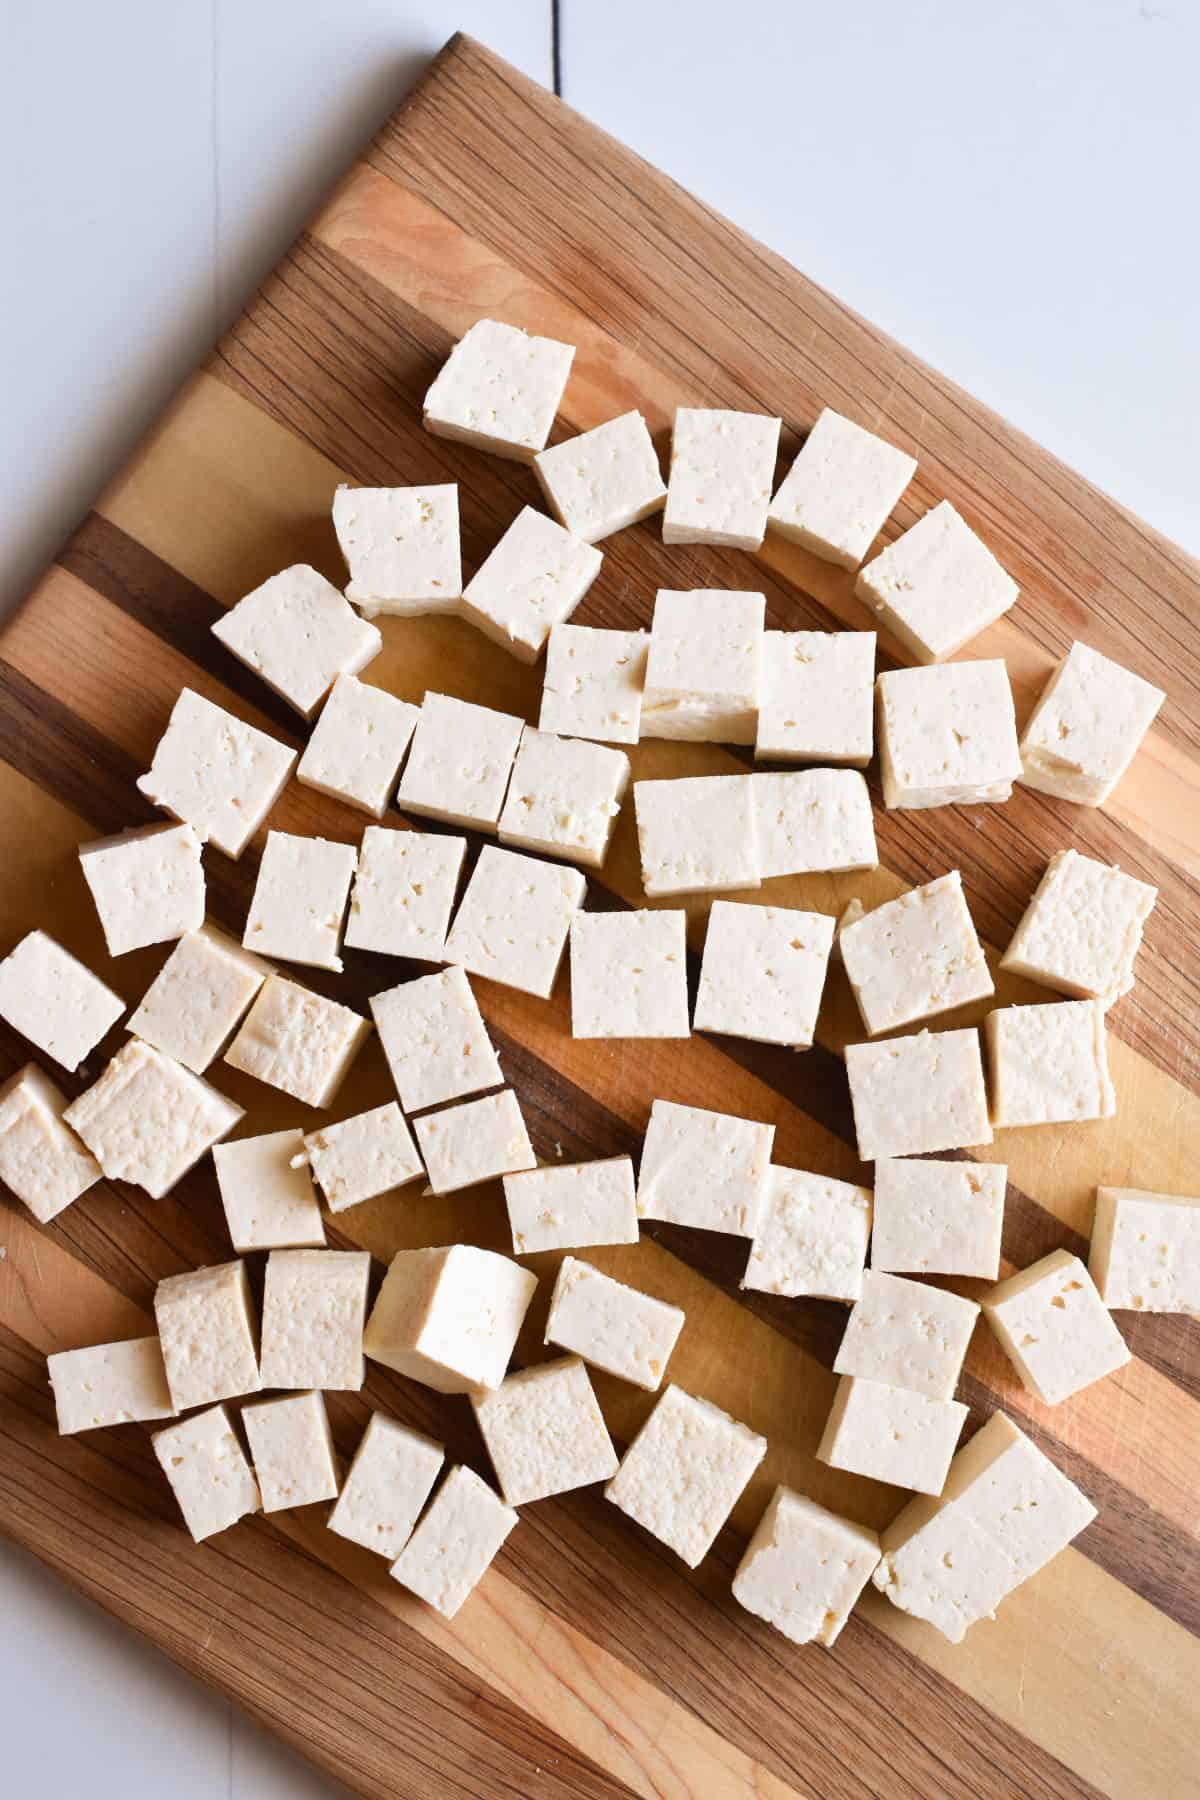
556,47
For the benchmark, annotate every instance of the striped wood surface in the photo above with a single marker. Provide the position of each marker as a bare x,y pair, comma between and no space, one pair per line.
590,1662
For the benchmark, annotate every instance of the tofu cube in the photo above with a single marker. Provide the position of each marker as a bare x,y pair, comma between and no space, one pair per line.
722,473
436,1043
544,1432
216,773
357,745
938,1218
499,390
269,1204
401,547
208,1334
614,1327
604,479
477,1140
390,1479
1086,727
533,580
703,671
1145,1251
684,1472
514,918
455,1543
314,1308
198,998
564,797
299,634
449,1317
362,1157
804,1568
914,1095
629,975
53,1000
907,1335
292,1450
817,697
891,1434
937,586
1082,930
813,821
208,1472
839,491
41,1160
706,1169
697,834
109,1384
916,956
763,973
593,683
811,1238
1054,1327
1049,1064
569,1206
947,735
459,763
149,1120
300,900
404,893
148,885
298,1041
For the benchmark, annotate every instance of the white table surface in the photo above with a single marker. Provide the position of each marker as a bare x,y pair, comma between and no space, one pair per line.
1008,189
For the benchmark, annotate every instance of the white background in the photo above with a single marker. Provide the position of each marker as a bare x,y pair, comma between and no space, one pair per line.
1008,188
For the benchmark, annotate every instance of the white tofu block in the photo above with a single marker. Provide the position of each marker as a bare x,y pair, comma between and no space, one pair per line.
357,745
593,683
629,974
149,1120
390,1479
947,735
298,1041
499,390
937,586
813,821
533,580
449,1317
697,834
544,1432
1049,1064
1054,1327
514,918
763,972
916,956
907,1335
477,1140
269,1204
704,666
914,1095
362,1157
938,1218
564,797
891,1434
1005,1511
1145,1252
148,885
684,1472
41,1160
291,1448
53,1000
1086,727
208,1334
811,1238
299,634
208,1472
1083,929
216,773
401,547
722,473
455,1543
817,697
604,479
435,1040
614,1327
569,1206
459,763
702,1168
404,893
804,1568
198,998
839,491
300,900
314,1309
109,1384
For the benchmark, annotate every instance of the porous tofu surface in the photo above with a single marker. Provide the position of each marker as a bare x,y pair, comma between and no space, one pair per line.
809,821
629,974
459,762
913,1095
52,999
938,1218
42,1161
840,490
299,633
907,1335
564,797
684,1472
269,1202
436,1043
298,1041
532,581
704,1168
477,1140
499,389
1086,728
1049,1063
697,834
603,479
513,920
449,1317
109,1384
891,1434
570,1206
811,1238
216,773
947,735
404,892
198,998
611,1325
208,1334
148,885
722,473
292,1450
593,683
804,1568
361,1157
401,547
817,697
1145,1253
357,745
314,1309
1054,1327
763,972
937,586
208,1472
300,900
455,1542
916,956
1082,929
704,666
149,1120
544,1431
390,1479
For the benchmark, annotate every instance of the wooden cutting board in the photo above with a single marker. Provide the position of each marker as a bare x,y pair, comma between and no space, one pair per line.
589,1661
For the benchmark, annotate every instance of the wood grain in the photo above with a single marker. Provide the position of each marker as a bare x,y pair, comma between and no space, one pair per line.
589,1661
